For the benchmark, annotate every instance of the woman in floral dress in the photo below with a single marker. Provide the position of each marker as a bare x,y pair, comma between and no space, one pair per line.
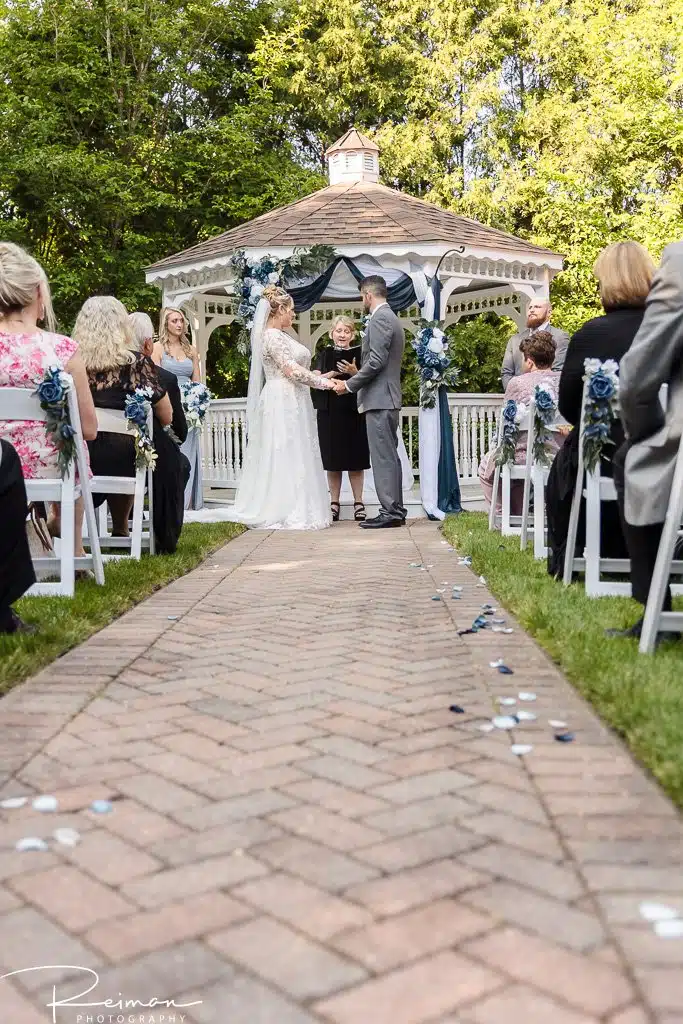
539,356
26,354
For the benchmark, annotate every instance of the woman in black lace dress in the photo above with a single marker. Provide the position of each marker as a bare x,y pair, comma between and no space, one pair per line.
105,337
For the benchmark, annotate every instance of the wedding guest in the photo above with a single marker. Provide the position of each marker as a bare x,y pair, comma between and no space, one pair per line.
106,340
538,314
624,271
644,465
341,428
538,353
172,470
16,568
175,353
27,352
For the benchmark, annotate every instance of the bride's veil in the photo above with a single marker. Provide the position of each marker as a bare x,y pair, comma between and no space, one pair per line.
256,366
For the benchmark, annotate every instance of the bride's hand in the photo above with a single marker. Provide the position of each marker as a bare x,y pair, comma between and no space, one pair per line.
331,375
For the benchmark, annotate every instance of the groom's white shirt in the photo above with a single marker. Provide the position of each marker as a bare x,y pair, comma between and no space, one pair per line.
378,306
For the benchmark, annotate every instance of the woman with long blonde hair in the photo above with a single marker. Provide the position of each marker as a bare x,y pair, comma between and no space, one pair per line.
27,352
115,371
283,483
175,352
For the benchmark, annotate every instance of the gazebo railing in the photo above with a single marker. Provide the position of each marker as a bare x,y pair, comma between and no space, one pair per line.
475,424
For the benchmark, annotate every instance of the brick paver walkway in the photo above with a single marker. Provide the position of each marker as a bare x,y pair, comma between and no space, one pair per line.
302,831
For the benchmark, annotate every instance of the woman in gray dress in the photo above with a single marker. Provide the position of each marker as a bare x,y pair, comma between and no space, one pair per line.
175,352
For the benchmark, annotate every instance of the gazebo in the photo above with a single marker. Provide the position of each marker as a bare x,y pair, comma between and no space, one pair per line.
445,267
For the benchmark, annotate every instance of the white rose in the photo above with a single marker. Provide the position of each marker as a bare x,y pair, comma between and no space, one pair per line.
274,277
257,291
435,345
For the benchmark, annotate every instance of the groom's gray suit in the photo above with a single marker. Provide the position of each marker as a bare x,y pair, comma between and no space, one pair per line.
378,386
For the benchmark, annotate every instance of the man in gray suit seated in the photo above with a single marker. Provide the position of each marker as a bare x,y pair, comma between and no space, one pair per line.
644,465
537,319
378,386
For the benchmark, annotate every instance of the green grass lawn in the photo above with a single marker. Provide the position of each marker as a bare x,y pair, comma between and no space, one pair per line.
640,696
65,622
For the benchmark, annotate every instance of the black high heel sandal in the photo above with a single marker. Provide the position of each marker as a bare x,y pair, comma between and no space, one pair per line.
336,509
359,512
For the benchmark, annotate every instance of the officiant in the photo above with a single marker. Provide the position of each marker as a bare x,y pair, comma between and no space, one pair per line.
341,428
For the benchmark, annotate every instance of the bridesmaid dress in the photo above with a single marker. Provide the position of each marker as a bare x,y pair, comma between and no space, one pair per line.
191,449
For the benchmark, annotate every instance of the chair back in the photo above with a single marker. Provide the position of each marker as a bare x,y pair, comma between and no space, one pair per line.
21,404
111,421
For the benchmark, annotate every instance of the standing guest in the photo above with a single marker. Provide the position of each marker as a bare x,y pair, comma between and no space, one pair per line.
538,316
644,465
106,340
341,428
27,352
172,470
16,568
538,352
175,352
624,271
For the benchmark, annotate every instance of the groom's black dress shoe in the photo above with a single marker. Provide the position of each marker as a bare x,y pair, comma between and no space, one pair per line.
381,523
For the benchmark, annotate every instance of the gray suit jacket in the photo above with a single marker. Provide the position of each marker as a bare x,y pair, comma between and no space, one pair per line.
378,382
654,358
513,361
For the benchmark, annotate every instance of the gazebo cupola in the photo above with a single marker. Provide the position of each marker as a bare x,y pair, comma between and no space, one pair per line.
354,157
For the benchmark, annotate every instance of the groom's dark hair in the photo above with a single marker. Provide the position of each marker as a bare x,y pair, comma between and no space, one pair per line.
374,284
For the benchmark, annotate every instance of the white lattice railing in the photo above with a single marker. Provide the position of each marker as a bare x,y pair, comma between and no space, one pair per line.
475,421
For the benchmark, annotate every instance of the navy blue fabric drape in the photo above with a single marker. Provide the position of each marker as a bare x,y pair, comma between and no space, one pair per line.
401,293
449,485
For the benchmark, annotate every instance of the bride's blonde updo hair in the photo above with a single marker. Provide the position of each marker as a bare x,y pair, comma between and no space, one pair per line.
278,298
20,277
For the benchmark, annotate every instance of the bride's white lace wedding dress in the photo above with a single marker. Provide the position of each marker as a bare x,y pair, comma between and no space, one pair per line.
283,485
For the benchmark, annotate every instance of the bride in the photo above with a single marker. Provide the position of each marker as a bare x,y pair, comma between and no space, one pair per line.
283,484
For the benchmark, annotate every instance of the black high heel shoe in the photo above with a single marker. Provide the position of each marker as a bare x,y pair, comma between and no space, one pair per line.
336,509
359,513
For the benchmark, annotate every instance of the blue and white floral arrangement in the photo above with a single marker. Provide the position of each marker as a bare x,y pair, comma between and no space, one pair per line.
601,410
545,414
53,393
253,275
196,400
512,415
435,364
137,410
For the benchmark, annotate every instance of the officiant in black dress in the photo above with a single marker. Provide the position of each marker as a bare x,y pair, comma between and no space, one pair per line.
341,428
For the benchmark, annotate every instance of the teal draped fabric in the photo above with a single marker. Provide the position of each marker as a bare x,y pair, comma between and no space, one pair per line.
449,485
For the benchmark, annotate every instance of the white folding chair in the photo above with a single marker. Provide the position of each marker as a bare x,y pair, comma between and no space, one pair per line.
596,489
656,620
113,421
535,480
504,475
22,404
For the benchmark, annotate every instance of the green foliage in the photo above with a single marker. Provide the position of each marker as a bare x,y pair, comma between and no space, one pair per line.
639,697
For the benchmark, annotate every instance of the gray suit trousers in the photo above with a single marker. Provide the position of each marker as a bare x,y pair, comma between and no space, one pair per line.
382,427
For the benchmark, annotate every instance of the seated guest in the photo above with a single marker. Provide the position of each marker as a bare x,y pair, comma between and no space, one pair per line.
644,465
16,568
538,353
341,428
172,470
624,271
105,336
27,352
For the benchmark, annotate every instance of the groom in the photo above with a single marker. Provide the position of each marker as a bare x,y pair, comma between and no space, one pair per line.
378,386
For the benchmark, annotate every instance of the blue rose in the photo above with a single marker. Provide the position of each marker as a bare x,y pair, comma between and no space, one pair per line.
544,400
597,431
510,411
601,387
66,431
50,391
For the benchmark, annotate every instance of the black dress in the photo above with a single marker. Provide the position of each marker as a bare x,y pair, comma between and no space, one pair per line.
172,470
341,428
16,567
605,337
114,454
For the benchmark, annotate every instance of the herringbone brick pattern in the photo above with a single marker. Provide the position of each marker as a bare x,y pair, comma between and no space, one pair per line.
301,829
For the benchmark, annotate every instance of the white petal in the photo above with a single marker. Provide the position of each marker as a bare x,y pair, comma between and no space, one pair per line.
504,722
527,696
557,723
45,803
657,912
67,836
669,929
31,843
13,802
520,749
526,716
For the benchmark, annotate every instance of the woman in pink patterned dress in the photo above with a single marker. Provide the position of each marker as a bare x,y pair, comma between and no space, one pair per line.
539,356
26,353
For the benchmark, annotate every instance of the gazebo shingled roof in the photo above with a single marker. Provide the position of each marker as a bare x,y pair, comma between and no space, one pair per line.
359,213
